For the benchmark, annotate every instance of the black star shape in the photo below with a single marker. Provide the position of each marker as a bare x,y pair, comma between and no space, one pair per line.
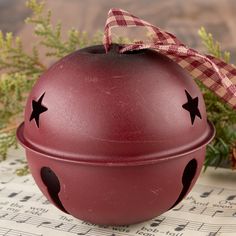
38,109
192,107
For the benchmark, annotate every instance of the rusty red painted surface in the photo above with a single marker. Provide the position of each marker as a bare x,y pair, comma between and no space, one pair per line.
117,132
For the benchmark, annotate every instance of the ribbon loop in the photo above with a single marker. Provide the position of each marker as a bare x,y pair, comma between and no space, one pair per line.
120,18
215,74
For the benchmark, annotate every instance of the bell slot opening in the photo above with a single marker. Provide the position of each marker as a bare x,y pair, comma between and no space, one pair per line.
187,178
52,183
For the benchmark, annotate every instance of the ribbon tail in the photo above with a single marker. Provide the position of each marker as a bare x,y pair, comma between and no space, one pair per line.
215,74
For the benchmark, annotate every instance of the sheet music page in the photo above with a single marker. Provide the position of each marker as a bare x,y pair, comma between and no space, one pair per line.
209,209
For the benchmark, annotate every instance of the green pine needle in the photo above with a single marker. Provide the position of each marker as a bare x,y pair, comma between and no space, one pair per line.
213,46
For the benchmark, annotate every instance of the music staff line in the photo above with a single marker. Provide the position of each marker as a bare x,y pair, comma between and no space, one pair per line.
204,191
9,166
79,229
23,196
26,180
203,210
12,232
207,190
73,228
18,160
180,225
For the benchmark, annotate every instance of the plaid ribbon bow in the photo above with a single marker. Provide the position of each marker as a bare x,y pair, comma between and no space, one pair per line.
215,74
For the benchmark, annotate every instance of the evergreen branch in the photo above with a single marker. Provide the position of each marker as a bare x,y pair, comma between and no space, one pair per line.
6,141
213,46
50,36
20,70
23,170
8,129
13,59
222,116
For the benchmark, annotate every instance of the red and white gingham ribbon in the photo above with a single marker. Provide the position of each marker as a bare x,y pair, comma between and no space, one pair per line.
217,75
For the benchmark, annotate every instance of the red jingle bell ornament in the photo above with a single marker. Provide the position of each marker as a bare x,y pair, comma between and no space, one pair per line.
115,138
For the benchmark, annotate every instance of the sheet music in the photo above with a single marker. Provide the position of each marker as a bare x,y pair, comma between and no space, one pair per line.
209,209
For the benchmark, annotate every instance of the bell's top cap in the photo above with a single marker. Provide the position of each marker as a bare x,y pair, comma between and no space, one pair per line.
115,108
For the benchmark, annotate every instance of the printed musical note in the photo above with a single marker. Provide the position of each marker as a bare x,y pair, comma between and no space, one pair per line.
220,191
234,214
23,221
26,198
217,212
178,209
192,208
12,163
4,215
71,228
198,229
6,181
14,216
206,194
26,180
212,234
4,231
11,195
231,197
44,223
203,210
59,225
157,222
215,233
21,161
46,202
22,203
181,227
12,232
84,233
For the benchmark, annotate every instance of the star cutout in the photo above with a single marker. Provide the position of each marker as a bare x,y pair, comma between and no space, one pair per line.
192,107
38,109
